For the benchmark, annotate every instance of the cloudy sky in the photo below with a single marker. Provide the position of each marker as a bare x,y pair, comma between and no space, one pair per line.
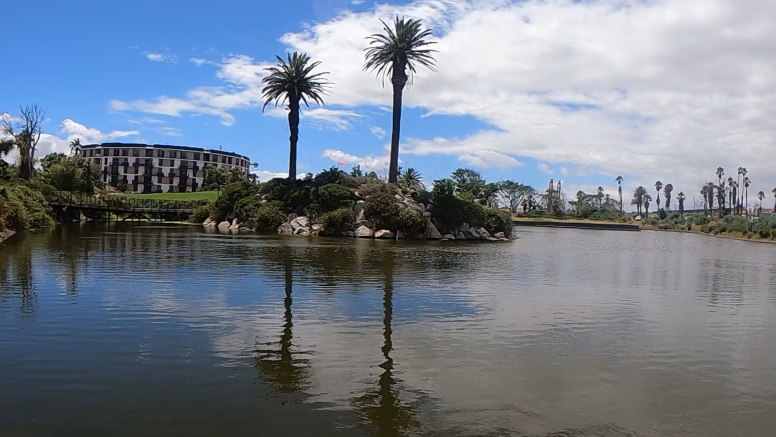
581,91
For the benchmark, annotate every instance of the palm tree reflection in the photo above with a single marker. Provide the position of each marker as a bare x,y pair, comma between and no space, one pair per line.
382,406
16,273
280,364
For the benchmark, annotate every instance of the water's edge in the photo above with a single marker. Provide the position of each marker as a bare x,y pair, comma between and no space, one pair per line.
6,234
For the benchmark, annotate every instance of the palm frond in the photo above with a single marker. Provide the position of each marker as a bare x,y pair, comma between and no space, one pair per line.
400,48
293,80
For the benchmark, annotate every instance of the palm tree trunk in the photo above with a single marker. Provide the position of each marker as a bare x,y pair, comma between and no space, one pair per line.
399,80
620,191
293,126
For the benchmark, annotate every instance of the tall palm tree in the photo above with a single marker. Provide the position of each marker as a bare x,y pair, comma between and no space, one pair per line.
669,188
742,171
392,54
704,195
731,185
600,196
75,146
647,199
710,196
774,195
680,197
747,182
760,196
638,198
292,81
619,190
658,187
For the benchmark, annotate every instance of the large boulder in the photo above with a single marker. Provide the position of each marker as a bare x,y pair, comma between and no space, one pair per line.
235,224
415,207
318,227
303,232
361,217
224,225
285,229
432,233
364,232
484,233
208,221
300,222
448,237
460,236
499,235
471,234
464,227
385,234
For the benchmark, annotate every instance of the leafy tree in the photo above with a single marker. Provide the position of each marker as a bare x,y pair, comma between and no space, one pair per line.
75,146
667,190
469,184
490,195
70,173
50,160
392,54
747,182
638,197
658,187
356,171
515,194
23,136
761,196
292,82
619,190
600,196
647,199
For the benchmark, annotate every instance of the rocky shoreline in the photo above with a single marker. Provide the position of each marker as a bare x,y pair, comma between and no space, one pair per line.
6,234
302,226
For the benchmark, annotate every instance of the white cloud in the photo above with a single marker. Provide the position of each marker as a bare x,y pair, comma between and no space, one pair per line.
378,132
199,61
159,57
367,163
170,131
71,130
265,175
564,171
544,168
657,89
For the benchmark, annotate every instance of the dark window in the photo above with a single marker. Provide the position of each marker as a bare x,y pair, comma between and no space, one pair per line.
206,157
149,153
173,154
184,155
98,152
160,153
196,156
135,152
106,161
230,161
115,152
172,163
149,161
214,158
223,160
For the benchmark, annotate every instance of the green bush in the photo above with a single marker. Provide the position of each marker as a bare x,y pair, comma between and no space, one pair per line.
333,196
247,208
699,219
23,207
721,227
233,193
662,214
498,221
313,211
766,228
269,216
736,223
705,228
380,209
203,212
339,219
410,222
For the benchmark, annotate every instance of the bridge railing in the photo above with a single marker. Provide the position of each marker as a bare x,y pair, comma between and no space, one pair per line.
117,202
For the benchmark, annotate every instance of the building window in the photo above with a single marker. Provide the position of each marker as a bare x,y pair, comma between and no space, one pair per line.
98,152
172,163
214,158
184,155
206,157
196,156
229,161
106,161
173,154
135,152
160,153
223,160
124,152
115,152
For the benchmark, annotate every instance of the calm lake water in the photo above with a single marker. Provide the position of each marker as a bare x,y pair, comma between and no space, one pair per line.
171,331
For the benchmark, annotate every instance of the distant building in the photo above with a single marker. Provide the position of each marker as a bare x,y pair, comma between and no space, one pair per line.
158,168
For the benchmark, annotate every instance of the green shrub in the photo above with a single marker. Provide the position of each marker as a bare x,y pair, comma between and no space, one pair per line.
662,214
247,208
339,219
498,221
313,211
233,193
410,222
23,207
699,219
736,223
705,228
203,212
269,216
721,227
765,228
333,196
379,208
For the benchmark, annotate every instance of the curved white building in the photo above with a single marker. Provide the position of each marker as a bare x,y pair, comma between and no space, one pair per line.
158,168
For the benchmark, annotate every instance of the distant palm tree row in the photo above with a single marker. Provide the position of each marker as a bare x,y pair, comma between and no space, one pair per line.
732,195
399,50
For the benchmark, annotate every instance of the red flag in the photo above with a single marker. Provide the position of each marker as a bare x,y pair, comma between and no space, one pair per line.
343,163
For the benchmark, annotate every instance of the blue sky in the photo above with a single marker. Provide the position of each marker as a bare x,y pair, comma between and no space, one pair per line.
526,90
